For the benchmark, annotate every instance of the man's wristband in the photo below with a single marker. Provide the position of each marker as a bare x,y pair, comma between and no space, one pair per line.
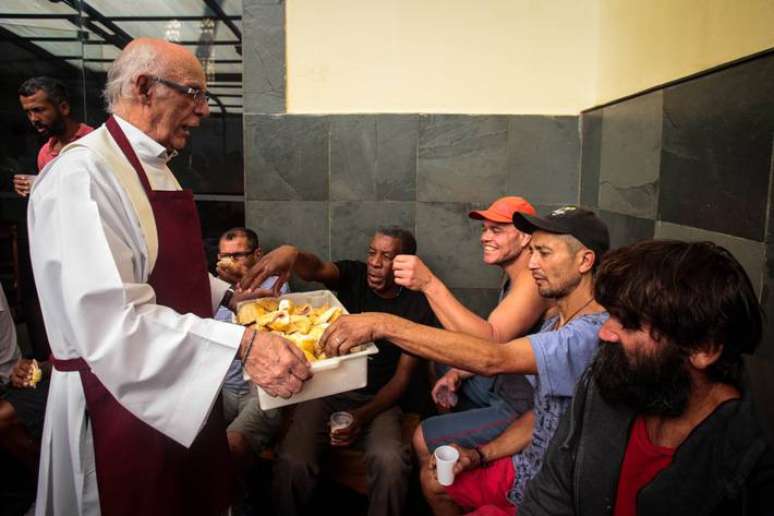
482,462
226,301
249,347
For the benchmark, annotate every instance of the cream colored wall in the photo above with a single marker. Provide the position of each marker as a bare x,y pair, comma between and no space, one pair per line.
506,56
441,56
644,43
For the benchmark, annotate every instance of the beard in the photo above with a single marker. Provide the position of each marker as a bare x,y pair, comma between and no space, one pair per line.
57,128
652,384
561,290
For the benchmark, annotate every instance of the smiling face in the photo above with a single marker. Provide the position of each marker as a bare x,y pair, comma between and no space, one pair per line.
555,264
46,117
173,113
501,242
381,252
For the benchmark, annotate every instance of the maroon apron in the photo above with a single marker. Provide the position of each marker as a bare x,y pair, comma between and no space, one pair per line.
139,469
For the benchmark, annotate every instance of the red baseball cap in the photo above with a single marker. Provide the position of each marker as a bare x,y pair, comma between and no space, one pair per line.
503,210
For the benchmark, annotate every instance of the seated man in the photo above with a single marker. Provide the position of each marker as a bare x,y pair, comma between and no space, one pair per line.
250,429
361,287
663,422
22,399
494,403
565,249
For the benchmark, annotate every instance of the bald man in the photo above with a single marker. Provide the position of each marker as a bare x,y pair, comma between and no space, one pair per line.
133,425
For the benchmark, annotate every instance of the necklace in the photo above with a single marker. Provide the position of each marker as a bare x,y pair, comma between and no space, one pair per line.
576,312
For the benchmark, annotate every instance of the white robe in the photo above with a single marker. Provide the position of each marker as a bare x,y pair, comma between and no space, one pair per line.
92,256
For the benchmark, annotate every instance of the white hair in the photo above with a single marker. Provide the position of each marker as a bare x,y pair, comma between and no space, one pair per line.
135,60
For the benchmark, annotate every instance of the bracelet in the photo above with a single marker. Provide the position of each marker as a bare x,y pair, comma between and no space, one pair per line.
482,463
249,347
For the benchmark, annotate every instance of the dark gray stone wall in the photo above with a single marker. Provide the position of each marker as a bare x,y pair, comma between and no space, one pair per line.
693,161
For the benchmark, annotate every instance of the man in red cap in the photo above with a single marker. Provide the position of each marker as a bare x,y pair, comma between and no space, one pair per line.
488,405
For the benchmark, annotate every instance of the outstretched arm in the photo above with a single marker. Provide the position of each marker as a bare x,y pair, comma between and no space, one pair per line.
455,349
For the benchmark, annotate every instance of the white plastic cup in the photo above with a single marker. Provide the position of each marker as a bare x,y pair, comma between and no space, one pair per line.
339,421
445,459
446,397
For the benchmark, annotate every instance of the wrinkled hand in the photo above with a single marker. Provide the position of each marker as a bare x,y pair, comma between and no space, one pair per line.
22,183
277,365
411,272
279,263
21,374
246,295
349,331
468,460
347,436
451,381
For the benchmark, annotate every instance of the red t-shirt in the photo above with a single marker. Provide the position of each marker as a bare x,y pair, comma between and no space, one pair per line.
47,152
642,462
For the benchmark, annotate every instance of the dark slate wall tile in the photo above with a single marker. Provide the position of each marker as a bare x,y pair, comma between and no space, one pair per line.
462,158
286,157
631,155
625,229
479,300
543,154
761,372
717,150
263,56
354,223
374,157
591,149
449,242
749,252
301,223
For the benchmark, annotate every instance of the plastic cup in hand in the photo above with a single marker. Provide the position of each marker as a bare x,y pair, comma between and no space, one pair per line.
26,181
446,397
445,459
339,421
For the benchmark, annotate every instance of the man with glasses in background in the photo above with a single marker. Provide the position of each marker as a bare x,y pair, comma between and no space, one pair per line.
250,429
134,424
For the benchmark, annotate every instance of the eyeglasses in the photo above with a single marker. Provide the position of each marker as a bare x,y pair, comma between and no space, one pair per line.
195,93
241,254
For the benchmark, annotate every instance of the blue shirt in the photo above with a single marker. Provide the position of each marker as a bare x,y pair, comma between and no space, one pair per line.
562,356
234,381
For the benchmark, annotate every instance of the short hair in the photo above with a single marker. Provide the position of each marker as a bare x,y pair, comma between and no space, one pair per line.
137,59
55,90
408,244
238,232
692,294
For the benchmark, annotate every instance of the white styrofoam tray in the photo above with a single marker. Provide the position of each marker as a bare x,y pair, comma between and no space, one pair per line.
330,376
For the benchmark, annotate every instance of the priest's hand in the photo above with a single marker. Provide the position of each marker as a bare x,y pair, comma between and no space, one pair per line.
274,363
278,262
349,331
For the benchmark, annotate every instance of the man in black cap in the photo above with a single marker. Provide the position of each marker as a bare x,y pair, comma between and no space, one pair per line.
566,247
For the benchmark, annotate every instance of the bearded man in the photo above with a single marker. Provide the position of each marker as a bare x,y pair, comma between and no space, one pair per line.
46,103
663,422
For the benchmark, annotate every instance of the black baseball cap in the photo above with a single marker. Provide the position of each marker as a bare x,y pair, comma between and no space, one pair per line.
579,222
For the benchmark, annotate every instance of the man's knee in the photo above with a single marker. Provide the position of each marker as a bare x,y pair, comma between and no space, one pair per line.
393,460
